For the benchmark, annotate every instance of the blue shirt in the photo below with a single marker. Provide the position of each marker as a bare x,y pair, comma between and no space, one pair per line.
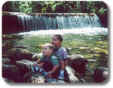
61,53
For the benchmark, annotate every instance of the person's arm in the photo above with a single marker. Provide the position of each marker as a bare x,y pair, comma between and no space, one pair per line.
63,58
55,63
40,61
40,64
62,64
53,70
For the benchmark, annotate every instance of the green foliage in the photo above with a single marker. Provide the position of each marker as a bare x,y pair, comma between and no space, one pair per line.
55,6
59,7
25,7
102,11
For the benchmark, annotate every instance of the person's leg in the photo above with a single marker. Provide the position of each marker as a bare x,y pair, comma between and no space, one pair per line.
46,68
63,63
36,68
61,75
66,62
56,73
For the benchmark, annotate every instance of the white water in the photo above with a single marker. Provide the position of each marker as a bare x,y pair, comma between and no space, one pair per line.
76,24
86,31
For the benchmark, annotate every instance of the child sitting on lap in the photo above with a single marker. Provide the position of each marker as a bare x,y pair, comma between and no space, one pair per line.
48,63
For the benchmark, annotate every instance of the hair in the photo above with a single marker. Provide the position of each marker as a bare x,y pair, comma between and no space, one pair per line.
59,37
51,46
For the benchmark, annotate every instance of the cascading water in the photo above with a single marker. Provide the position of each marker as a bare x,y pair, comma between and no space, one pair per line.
74,23
58,22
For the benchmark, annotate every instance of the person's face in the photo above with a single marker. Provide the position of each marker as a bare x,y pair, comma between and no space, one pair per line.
47,51
55,41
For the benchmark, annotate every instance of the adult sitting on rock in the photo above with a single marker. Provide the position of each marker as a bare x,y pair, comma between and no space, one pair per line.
61,53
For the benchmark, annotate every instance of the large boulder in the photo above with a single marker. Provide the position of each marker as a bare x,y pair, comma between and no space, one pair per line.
71,74
78,63
37,79
25,64
101,74
10,24
6,61
11,72
18,72
18,54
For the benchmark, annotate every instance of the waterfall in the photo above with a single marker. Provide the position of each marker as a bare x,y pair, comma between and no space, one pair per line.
19,22
46,22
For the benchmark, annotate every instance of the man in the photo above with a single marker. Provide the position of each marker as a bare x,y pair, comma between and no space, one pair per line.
61,53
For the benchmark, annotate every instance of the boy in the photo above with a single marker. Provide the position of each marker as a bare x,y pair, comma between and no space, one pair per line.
61,53
48,64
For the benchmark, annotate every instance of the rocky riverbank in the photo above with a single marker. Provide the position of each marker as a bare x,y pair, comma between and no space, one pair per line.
88,57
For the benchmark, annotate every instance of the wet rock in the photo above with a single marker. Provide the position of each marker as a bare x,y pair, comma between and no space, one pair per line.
18,54
71,75
61,82
84,48
6,61
12,37
11,72
24,64
103,60
78,63
22,47
75,56
8,81
89,77
101,74
9,41
91,60
6,45
99,50
37,79
8,21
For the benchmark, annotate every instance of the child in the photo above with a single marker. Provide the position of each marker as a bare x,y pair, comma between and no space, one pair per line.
61,53
48,63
